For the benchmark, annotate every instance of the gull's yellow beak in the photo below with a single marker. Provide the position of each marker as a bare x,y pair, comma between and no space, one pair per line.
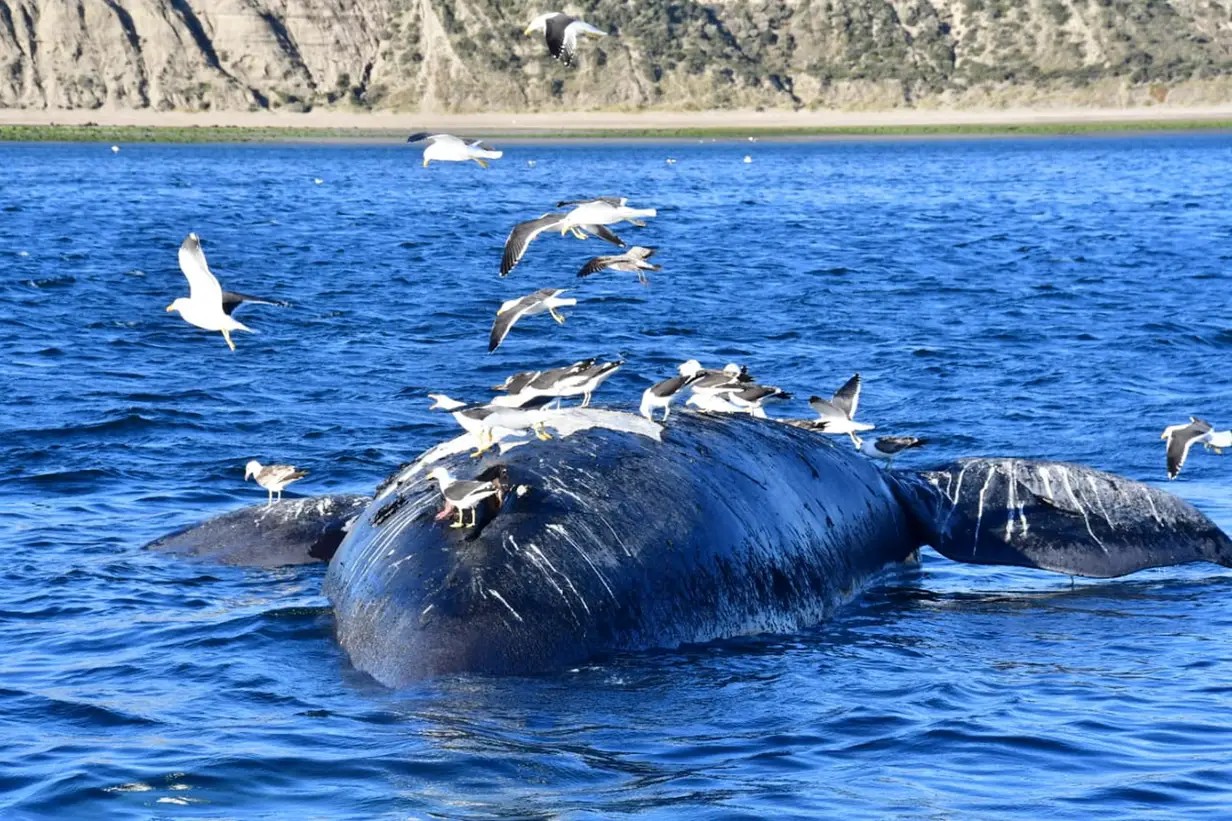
529,31
171,307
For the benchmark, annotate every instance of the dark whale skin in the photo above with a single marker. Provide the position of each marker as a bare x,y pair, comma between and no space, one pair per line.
290,532
1056,516
727,527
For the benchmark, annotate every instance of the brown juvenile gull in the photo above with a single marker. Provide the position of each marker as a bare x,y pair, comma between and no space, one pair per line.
273,477
887,447
632,260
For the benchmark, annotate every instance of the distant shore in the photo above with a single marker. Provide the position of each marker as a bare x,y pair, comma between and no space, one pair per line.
152,126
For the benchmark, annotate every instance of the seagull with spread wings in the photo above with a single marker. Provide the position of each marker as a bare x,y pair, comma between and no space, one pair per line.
522,234
1181,438
838,413
602,211
632,260
448,148
541,301
207,305
561,33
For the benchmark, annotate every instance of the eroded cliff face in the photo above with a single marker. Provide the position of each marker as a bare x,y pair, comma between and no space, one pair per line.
471,55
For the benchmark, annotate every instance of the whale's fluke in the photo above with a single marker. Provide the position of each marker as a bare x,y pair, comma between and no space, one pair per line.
1056,516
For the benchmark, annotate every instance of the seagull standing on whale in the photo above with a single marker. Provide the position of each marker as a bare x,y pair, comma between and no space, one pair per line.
522,234
579,379
838,413
887,447
561,33
207,305
272,477
545,299
462,494
489,424
448,148
661,394
632,260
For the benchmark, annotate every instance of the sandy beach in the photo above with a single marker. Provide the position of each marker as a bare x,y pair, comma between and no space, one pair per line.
608,121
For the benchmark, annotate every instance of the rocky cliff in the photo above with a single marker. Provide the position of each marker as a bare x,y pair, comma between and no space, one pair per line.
471,55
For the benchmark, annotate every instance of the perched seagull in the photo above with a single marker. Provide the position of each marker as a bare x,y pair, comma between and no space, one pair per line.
579,379
839,412
448,148
207,305
603,211
661,394
272,477
1181,438
491,423
522,234
713,403
561,33
515,383
752,397
463,495
545,299
887,447
589,379
632,260
732,378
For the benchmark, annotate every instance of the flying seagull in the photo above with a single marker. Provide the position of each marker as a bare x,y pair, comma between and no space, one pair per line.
561,33
545,299
1182,437
272,477
632,260
462,495
522,234
207,305
839,412
603,211
448,148
887,447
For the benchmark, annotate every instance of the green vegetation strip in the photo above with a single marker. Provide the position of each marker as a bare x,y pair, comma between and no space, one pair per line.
134,134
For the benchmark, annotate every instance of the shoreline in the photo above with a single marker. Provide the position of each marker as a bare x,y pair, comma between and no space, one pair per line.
20,125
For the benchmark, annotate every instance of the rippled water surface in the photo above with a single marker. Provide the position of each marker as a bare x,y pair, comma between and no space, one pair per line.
1057,298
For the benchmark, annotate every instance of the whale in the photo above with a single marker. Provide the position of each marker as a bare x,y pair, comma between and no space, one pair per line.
281,534
611,540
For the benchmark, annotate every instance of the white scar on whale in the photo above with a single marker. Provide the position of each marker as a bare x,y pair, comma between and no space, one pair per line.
500,599
565,422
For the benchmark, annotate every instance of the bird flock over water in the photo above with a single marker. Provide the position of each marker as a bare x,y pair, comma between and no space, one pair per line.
529,402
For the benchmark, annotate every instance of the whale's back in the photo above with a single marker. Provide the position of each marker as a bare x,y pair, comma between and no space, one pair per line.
725,527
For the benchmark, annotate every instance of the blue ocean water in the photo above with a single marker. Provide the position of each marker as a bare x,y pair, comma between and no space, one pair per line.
1062,298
